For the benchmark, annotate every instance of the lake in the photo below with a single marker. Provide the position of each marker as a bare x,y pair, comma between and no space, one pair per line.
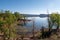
38,22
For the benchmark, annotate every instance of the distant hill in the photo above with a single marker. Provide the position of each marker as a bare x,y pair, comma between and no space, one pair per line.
31,15
43,15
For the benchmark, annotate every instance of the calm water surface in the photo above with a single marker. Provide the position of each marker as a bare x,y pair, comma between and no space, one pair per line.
38,22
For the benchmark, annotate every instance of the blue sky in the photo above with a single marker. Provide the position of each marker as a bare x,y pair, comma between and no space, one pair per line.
30,6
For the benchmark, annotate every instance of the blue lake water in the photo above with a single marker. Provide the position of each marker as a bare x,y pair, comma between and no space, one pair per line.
38,22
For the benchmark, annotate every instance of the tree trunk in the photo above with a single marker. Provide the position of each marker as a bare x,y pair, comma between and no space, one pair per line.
57,28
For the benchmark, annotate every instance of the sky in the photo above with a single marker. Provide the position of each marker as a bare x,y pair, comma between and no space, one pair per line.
31,6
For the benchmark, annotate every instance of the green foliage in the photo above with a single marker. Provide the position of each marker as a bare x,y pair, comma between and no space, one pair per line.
7,21
18,16
1,24
55,18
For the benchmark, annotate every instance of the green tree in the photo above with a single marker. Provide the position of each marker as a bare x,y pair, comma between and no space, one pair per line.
55,19
18,16
8,19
